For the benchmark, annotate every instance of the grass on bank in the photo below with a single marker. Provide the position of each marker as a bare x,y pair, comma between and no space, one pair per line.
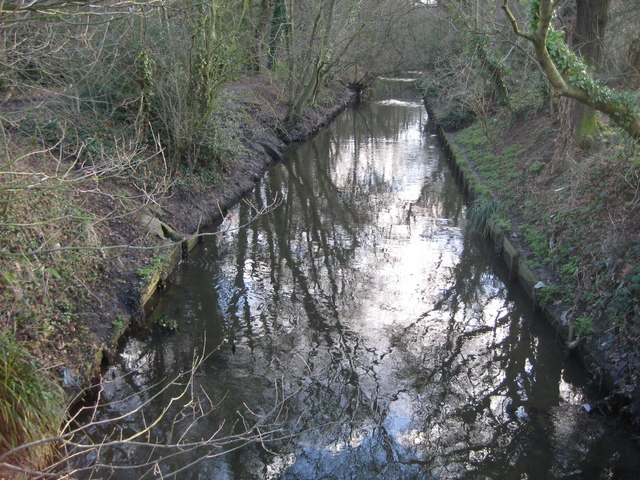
579,215
31,405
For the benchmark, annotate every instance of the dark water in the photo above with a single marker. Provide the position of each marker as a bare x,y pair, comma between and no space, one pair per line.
365,328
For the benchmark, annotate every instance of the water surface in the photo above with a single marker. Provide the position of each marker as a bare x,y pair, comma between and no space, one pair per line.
367,327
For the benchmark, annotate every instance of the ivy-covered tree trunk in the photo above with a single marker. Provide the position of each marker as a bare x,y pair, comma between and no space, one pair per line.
591,21
568,75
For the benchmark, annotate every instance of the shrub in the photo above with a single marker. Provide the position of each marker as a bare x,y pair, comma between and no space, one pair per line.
457,118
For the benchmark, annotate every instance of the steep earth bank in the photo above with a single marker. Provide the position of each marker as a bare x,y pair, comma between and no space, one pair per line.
76,287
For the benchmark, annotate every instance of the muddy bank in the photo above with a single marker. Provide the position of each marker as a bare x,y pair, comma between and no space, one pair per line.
187,212
170,224
612,365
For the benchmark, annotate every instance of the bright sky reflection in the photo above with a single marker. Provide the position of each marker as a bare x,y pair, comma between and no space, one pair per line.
366,301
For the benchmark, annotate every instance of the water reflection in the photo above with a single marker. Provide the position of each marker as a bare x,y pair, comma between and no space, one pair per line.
366,303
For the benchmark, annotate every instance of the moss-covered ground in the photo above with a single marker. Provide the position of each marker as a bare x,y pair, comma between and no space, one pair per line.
577,215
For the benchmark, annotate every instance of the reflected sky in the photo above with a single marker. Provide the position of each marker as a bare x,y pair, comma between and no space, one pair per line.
366,310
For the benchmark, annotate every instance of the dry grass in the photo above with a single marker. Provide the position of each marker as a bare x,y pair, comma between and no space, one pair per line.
31,406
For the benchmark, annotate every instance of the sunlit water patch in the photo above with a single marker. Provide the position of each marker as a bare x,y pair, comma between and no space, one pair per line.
401,103
362,332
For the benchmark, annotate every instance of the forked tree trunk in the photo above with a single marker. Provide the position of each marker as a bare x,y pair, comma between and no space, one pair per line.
618,105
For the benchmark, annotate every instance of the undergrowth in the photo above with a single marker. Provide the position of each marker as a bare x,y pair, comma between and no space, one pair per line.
31,405
580,217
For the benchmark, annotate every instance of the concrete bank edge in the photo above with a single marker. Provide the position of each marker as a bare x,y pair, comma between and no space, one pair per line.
519,270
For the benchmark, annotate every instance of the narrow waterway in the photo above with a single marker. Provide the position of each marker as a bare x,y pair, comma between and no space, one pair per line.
364,327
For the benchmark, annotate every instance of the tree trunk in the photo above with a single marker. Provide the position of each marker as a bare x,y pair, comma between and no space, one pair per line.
280,30
591,21
263,35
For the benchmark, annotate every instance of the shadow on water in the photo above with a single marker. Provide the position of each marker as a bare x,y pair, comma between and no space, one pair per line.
376,323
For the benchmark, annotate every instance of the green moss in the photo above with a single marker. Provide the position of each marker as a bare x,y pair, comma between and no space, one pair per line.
157,263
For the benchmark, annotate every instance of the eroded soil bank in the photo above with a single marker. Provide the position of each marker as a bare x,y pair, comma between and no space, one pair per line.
86,289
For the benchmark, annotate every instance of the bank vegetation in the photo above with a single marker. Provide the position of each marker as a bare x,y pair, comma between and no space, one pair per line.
125,125
541,101
125,128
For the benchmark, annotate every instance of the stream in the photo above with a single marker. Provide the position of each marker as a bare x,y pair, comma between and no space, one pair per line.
357,330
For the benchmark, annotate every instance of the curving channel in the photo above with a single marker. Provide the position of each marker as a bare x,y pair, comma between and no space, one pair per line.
365,330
